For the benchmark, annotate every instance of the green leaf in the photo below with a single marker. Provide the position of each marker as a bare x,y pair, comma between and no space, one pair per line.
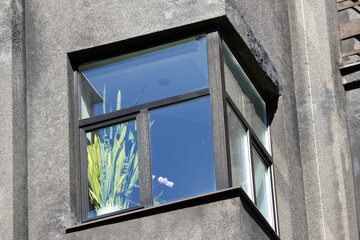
123,133
118,185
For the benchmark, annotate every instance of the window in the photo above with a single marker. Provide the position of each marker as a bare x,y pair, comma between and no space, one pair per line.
251,164
152,128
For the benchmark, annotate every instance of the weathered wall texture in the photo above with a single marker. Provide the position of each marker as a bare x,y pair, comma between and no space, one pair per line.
219,220
353,111
296,46
350,71
13,166
55,28
267,28
325,154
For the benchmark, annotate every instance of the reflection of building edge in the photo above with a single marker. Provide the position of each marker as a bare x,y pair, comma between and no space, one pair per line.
312,151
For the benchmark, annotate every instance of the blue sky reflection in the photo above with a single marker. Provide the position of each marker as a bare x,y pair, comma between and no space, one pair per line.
151,76
182,150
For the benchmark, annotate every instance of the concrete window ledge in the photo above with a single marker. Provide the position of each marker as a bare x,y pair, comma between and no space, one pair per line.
217,196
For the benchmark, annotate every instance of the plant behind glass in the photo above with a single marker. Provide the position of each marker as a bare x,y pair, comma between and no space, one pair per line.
112,166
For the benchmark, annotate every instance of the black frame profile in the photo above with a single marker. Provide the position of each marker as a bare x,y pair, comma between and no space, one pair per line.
218,100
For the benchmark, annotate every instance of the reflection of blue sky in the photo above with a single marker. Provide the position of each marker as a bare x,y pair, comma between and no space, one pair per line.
182,149
165,73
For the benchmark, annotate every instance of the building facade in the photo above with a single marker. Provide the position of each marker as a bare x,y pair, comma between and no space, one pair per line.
301,119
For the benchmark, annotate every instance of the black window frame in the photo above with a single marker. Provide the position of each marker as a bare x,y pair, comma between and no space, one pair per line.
218,99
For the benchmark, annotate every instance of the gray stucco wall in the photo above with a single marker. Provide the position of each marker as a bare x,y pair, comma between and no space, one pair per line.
94,24
268,23
226,219
313,173
13,163
353,110
53,30
321,108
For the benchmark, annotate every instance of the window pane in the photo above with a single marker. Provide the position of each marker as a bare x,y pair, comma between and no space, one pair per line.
182,150
262,186
112,169
245,96
240,164
143,76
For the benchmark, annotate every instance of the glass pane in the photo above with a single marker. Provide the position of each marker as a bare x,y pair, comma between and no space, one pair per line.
240,164
182,153
262,186
143,76
112,169
245,96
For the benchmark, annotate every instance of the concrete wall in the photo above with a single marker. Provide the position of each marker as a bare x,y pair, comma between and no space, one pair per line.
13,161
321,107
264,25
297,48
228,219
353,110
86,30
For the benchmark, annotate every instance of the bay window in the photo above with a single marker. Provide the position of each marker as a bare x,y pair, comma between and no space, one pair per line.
171,122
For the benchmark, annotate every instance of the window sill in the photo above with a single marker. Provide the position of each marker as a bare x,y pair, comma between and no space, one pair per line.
184,203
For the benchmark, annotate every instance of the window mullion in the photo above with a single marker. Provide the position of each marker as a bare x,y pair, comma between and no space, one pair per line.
218,109
145,177
273,195
250,142
83,175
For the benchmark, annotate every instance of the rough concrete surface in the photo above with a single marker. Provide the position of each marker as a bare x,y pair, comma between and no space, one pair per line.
13,166
270,27
297,47
353,111
53,29
329,192
219,220
6,167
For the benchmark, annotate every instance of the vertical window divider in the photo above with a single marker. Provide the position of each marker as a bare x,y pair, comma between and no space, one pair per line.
250,169
145,173
252,166
83,175
78,162
218,109
274,198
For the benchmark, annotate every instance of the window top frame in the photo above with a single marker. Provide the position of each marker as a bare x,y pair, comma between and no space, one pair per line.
267,83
